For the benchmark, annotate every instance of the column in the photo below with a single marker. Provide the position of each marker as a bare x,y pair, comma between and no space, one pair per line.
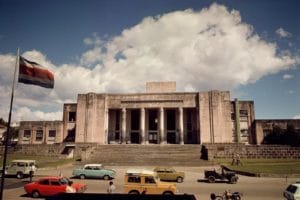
181,140
123,137
161,126
142,124
106,127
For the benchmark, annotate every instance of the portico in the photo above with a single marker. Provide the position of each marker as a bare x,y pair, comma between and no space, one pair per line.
147,125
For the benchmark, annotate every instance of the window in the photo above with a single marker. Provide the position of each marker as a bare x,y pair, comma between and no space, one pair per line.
39,135
243,112
55,182
72,116
243,115
21,164
244,132
149,179
44,182
52,133
27,134
134,179
63,181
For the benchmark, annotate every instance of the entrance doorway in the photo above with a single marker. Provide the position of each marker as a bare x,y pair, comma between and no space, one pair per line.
152,126
135,126
135,137
171,126
171,137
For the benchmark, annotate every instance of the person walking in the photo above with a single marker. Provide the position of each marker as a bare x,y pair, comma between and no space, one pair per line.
69,188
31,172
111,187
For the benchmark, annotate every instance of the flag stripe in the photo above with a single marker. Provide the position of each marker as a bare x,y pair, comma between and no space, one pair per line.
32,73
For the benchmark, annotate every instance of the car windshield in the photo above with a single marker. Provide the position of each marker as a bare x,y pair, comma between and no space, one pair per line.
64,181
292,189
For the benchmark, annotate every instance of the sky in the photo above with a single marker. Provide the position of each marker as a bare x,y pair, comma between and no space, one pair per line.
248,47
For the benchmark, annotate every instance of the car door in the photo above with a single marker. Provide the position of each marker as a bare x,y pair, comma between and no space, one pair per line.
149,185
170,174
56,187
161,172
88,171
98,172
11,169
43,187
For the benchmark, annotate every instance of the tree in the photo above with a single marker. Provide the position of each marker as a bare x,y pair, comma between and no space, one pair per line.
288,136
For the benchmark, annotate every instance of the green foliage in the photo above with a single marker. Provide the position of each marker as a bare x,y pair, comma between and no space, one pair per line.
288,136
265,166
42,161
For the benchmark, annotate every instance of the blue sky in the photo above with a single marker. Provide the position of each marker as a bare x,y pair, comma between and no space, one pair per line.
250,48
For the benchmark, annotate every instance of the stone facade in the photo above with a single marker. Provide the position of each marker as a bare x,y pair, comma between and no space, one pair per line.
40,132
213,151
159,116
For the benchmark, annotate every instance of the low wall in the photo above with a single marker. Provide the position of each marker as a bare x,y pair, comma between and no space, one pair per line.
36,149
250,151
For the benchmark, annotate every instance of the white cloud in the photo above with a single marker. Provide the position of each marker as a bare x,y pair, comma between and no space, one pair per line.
291,92
200,50
94,40
287,76
296,117
283,33
25,114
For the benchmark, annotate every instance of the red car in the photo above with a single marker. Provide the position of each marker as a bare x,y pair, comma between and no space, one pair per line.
49,186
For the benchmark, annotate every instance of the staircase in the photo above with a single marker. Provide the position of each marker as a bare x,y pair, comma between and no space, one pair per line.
147,155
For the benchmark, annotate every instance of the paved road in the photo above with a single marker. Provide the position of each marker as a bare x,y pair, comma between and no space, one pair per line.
253,188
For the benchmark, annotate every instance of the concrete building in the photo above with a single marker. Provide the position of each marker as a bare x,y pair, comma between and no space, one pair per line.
159,116
263,127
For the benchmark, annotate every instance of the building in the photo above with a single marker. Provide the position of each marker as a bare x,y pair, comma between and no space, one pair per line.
264,127
159,116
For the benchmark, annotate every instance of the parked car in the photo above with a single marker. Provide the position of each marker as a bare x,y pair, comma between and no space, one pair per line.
169,174
20,168
139,181
94,171
49,186
292,192
220,174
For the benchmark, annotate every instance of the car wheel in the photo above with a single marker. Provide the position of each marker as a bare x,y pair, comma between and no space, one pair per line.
211,179
35,194
20,175
179,179
82,176
133,192
168,193
237,197
219,198
233,180
106,177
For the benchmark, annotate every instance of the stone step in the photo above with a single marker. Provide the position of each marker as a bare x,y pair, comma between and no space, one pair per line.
141,155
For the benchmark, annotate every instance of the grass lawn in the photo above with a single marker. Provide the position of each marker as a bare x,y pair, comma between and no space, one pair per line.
268,166
42,161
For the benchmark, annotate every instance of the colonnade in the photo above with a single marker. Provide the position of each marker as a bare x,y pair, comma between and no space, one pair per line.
143,134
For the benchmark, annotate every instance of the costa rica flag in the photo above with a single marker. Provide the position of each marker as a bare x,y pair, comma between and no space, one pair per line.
34,74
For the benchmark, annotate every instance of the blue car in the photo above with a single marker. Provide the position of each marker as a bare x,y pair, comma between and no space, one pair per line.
94,171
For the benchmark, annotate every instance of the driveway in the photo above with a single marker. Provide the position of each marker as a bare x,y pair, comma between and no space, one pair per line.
253,188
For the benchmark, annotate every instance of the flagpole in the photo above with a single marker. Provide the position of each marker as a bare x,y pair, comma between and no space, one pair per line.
8,127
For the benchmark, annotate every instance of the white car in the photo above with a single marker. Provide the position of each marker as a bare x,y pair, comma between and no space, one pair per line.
20,168
292,192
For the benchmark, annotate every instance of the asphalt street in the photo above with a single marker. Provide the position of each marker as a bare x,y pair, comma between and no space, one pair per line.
253,188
